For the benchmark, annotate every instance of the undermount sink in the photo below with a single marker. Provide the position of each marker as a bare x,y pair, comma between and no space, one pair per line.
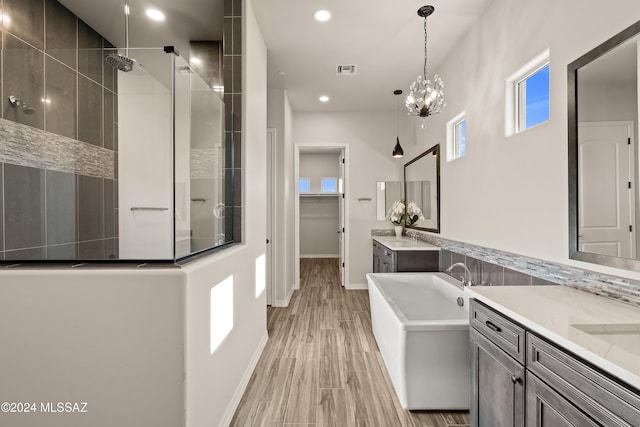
624,335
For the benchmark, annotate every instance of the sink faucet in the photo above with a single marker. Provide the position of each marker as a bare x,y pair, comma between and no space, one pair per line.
466,272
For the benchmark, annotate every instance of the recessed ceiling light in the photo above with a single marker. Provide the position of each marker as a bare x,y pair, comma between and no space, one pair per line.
324,98
218,88
195,61
322,15
155,14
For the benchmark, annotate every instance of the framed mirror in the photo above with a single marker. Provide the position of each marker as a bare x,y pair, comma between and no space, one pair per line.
422,188
604,190
387,192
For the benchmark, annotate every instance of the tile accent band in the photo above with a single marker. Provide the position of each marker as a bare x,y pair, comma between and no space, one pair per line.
27,146
614,287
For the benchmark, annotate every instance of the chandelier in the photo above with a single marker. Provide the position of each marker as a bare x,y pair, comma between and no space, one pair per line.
425,97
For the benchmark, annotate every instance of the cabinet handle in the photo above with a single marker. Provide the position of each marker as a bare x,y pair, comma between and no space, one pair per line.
515,379
491,326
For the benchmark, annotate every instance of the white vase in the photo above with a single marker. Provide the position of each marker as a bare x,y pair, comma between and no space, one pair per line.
398,231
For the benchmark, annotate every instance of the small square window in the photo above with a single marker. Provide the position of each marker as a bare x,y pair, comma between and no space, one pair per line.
457,137
329,185
532,94
304,185
527,95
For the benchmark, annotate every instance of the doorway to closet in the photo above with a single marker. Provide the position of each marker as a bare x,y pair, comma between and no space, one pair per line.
321,205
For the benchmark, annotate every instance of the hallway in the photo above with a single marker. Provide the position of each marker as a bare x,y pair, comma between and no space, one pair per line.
322,367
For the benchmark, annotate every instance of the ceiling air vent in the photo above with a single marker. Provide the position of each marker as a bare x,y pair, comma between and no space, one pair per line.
346,70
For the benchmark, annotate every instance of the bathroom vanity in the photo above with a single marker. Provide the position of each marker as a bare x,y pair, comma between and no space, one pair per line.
392,254
553,355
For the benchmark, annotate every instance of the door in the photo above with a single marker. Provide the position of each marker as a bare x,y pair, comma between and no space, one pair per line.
497,385
605,193
341,215
269,270
545,407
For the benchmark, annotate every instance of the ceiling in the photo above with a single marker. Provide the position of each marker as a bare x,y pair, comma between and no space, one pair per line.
383,38
185,20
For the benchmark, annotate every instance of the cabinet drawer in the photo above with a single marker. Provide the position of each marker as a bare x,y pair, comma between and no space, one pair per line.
603,399
501,330
388,256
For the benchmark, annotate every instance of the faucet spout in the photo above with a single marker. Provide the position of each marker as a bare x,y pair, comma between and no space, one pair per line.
467,273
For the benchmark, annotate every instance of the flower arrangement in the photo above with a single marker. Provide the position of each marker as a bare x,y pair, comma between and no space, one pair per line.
413,213
396,213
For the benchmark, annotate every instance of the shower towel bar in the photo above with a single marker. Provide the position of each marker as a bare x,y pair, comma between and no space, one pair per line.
146,208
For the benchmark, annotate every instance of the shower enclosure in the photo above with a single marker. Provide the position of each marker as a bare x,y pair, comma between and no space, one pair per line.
99,164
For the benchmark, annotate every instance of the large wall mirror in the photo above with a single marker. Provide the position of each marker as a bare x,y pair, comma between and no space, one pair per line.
604,190
422,187
387,192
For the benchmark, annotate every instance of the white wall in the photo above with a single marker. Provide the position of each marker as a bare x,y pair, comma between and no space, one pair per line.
316,166
319,222
279,117
510,193
144,167
319,216
215,382
113,339
371,137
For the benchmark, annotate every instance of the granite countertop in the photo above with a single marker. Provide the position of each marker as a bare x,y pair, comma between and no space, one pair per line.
404,244
600,330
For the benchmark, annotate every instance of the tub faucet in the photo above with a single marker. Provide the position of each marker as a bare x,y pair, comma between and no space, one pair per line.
466,272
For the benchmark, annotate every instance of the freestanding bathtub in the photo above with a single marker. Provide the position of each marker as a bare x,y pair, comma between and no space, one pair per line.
423,335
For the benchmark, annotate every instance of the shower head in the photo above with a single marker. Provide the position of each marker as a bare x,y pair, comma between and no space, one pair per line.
119,62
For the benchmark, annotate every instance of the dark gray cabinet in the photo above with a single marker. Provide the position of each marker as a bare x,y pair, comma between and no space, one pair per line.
546,407
386,260
520,378
497,378
582,387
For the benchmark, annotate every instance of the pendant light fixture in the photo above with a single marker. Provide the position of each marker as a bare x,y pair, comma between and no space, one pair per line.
397,150
425,97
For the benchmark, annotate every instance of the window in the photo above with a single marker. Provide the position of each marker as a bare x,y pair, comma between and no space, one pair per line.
527,98
457,137
329,185
532,93
304,186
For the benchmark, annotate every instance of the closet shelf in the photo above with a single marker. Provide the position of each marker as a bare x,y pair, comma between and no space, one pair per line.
304,195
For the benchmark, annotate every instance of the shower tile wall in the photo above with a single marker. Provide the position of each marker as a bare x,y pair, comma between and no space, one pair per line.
232,72
58,176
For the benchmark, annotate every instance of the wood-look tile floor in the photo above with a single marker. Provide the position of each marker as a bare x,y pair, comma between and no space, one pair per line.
321,365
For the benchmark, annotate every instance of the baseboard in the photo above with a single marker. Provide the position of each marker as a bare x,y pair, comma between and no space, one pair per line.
321,256
286,301
244,382
356,286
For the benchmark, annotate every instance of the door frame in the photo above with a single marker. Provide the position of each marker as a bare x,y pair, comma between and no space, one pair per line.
271,223
296,229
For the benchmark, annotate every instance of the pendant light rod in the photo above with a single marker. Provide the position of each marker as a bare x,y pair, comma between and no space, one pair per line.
397,150
127,10
423,12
